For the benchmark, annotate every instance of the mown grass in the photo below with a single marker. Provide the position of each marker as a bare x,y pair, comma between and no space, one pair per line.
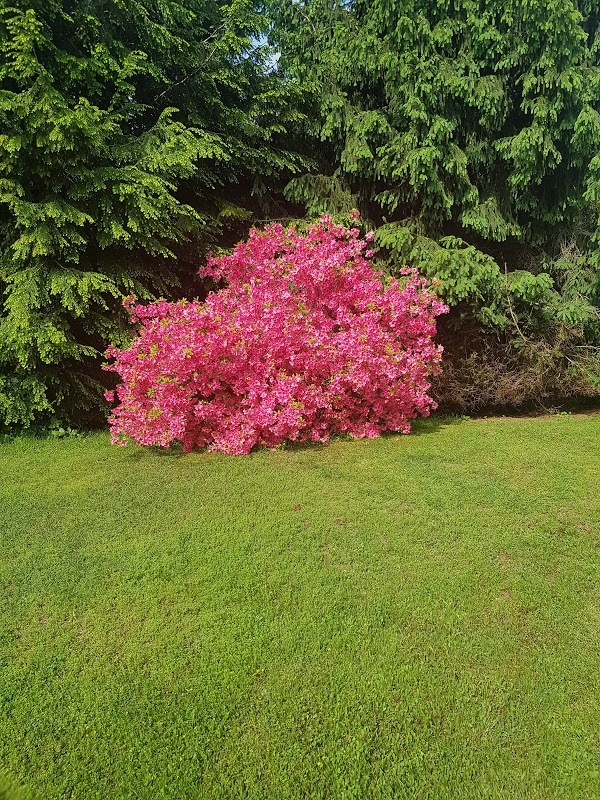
411,617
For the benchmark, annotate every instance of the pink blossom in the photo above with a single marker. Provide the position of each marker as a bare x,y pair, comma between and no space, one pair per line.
303,342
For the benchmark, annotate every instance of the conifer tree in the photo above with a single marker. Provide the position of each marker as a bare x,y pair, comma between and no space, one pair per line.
124,125
468,130
468,133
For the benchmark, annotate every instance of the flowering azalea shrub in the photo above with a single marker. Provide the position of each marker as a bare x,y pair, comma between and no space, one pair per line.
305,340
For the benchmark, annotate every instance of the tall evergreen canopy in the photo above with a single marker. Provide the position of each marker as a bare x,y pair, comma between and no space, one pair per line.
135,135
124,128
467,127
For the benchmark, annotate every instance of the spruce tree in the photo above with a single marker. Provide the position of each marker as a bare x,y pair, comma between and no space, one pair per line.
124,128
468,134
469,131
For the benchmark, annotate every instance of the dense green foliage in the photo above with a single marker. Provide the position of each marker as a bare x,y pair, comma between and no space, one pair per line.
469,132
123,127
135,136
408,617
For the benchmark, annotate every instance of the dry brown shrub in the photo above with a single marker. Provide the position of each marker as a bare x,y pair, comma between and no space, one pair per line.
482,372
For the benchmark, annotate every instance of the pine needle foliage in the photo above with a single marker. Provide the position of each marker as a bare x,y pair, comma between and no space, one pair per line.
124,125
468,132
470,129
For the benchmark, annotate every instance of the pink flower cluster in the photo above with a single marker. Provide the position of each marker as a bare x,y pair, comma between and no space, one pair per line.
305,340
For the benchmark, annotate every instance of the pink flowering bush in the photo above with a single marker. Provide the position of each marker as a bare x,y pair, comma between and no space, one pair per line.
305,340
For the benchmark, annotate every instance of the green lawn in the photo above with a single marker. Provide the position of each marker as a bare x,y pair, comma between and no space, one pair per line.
410,617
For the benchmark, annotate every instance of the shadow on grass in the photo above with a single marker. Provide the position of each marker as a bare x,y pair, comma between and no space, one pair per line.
433,424
419,427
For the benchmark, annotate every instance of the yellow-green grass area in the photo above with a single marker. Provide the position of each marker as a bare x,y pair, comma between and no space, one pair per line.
409,617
